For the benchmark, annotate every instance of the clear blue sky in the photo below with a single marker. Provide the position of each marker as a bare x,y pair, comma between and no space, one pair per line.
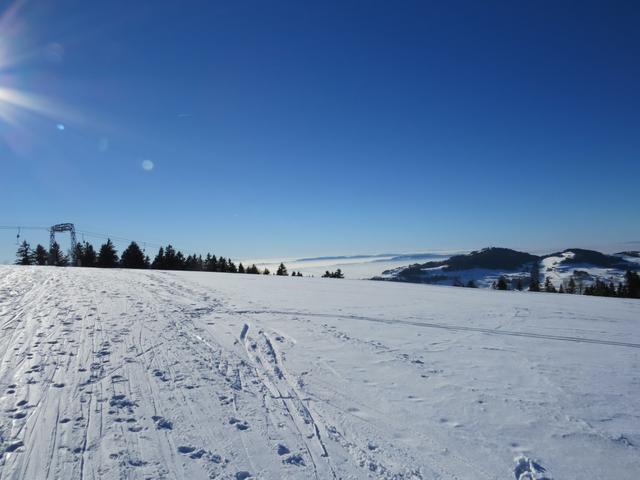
308,128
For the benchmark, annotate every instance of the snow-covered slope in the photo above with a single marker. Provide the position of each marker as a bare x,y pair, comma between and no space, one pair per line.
484,267
139,374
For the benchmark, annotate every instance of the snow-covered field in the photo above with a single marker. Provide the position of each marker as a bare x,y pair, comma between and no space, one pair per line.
356,267
144,375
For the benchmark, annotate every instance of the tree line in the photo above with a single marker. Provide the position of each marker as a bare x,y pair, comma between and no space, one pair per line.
337,274
133,256
629,288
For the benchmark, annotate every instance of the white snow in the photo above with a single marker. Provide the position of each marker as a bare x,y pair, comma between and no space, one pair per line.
482,277
356,267
561,273
142,374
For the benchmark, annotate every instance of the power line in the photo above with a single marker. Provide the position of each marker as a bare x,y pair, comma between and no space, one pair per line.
102,236
20,227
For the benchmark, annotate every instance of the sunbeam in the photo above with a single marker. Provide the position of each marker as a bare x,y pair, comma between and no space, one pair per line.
15,101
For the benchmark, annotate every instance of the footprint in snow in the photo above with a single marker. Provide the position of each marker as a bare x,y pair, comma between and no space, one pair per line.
12,447
528,469
162,423
282,449
295,459
240,424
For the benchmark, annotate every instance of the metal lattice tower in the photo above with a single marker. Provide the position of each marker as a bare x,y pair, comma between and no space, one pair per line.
64,227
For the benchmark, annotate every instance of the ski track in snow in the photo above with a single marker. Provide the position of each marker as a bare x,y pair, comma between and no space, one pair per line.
164,375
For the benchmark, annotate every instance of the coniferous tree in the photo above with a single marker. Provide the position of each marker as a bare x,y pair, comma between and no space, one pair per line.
24,255
601,289
78,254
548,286
40,255
56,257
337,274
265,271
133,257
170,258
158,261
223,266
471,284
519,285
179,265
209,263
282,271
253,269
571,286
534,283
561,289
240,268
232,267
89,255
108,256
632,287
193,263
501,284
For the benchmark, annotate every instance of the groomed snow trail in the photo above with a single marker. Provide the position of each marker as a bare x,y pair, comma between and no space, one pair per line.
144,375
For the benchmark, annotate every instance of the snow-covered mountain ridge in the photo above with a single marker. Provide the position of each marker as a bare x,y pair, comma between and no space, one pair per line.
484,267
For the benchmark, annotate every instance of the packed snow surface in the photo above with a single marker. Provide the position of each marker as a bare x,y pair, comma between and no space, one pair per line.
117,374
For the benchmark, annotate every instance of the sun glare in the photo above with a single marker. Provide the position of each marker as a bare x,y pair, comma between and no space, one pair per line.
15,101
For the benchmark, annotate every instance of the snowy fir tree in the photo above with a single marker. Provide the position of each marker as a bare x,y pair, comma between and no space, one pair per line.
40,255
24,255
133,257
107,257
56,257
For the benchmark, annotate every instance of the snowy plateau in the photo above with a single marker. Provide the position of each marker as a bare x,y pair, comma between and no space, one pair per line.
121,374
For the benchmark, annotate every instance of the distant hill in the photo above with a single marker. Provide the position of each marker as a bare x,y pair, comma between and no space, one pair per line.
635,254
590,257
483,267
494,258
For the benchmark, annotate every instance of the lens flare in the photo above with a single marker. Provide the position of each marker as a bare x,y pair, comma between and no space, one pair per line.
15,102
